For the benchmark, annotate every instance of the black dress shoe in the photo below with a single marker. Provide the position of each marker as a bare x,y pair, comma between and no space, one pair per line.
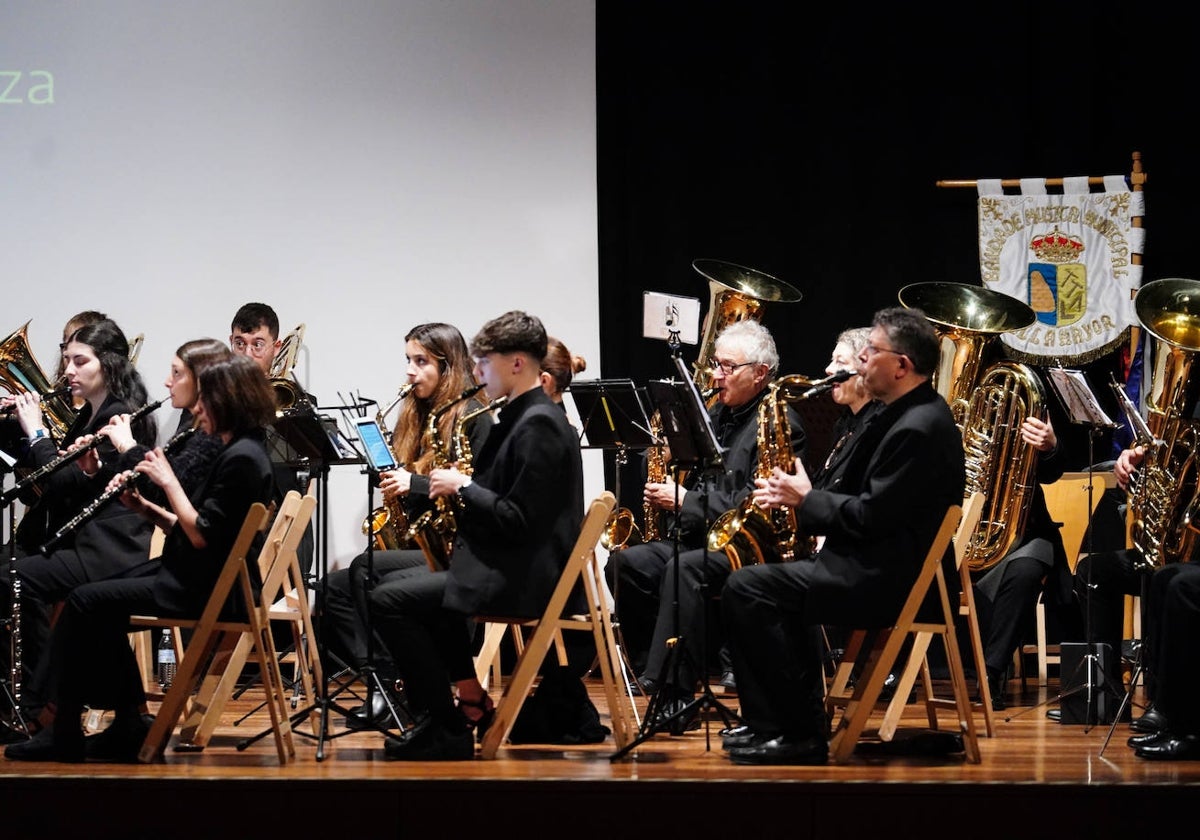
1147,739
728,681
1171,748
44,746
784,749
740,736
431,741
379,716
121,741
672,718
1054,715
1151,720
648,686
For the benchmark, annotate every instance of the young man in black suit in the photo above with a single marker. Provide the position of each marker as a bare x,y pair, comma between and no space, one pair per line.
518,515
901,474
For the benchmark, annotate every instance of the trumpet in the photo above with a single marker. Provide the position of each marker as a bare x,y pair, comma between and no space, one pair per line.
93,507
69,457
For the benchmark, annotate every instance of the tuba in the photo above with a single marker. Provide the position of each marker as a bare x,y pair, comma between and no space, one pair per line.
987,407
735,294
748,533
20,373
289,396
388,524
1164,494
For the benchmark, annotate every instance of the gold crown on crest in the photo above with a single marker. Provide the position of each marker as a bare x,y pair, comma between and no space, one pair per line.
1056,246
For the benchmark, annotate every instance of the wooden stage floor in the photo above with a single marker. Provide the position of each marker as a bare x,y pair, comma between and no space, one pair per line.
1036,776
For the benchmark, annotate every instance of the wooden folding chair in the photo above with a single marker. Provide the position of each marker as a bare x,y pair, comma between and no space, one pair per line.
859,705
214,640
285,592
915,665
580,565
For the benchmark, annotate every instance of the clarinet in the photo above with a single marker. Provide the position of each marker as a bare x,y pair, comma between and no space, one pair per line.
128,483
70,457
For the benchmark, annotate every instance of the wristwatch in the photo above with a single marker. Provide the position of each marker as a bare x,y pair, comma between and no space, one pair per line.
38,434
464,486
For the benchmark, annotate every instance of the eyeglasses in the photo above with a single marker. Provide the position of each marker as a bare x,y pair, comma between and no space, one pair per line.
871,350
727,368
257,347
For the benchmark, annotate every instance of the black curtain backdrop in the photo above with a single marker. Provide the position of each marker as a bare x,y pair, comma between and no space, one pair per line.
805,142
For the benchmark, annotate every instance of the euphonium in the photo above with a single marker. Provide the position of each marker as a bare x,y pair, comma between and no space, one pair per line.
621,531
388,524
434,530
289,395
1164,494
749,534
989,407
736,293
999,462
20,373
967,320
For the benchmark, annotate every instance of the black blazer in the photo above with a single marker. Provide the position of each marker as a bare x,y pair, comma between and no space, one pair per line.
901,474
111,540
240,476
521,513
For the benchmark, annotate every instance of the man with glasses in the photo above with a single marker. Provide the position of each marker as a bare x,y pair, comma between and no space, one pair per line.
254,332
900,475
744,363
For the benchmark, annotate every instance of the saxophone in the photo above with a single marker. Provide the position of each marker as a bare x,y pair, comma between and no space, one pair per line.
621,531
434,530
656,473
748,532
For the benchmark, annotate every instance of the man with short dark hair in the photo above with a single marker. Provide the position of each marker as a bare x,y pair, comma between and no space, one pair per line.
902,473
255,333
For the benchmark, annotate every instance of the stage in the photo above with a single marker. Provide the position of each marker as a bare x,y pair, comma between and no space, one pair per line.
1037,776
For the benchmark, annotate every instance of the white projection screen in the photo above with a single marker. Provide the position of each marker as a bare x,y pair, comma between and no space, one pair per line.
361,165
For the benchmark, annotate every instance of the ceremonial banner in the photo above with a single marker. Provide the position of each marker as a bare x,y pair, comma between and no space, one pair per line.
1069,256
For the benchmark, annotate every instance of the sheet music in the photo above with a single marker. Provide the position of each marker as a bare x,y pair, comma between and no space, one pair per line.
1077,398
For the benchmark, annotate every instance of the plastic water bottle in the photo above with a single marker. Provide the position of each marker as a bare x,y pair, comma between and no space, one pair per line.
166,660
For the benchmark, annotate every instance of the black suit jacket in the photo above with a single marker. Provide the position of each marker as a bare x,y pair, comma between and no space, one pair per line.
111,541
901,474
240,476
521,513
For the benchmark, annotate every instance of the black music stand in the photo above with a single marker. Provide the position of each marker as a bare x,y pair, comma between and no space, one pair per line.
693,441
319,440
1082,409
613,416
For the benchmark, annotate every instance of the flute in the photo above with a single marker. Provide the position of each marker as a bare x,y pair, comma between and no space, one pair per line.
69,457
93,507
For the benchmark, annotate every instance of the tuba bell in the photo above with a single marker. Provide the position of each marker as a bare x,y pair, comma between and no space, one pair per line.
988,407
736,294
289,395
20,373
1164,494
